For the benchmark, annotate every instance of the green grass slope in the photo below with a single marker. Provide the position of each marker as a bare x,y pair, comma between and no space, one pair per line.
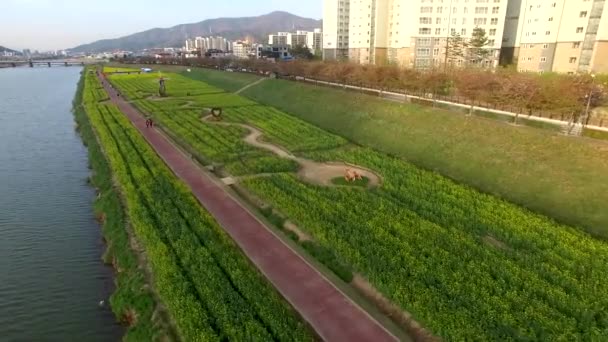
562,177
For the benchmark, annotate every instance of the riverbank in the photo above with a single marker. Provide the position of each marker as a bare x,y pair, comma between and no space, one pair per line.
132,302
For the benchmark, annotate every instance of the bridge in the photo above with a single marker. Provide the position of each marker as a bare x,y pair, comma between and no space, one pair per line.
46,63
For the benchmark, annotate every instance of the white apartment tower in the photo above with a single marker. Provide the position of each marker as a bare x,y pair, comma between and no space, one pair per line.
415,33
310,39
281,38
335,29
315,40
431,30
557,35
368,31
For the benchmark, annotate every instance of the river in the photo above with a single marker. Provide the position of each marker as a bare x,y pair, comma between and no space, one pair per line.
51,274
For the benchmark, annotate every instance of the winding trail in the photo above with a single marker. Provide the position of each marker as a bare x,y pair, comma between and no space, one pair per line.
330,312
310,171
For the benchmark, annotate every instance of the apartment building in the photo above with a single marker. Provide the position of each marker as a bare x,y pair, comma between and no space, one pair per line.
242,49
427,32
417,33
204,44
335,29
297,38
310,39
281,38
557,35
315,40
368,31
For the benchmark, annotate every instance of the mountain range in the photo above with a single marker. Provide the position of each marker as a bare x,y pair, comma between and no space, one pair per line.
257,28
3,49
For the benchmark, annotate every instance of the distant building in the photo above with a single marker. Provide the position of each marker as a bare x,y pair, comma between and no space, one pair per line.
190,45
204,44
278,39
241,49
214,53
313,40
297,38
273,52
562,36
162,55
410,33
336,16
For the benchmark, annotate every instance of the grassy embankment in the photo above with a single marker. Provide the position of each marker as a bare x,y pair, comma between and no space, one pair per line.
120,69
131,302
562,177
460,261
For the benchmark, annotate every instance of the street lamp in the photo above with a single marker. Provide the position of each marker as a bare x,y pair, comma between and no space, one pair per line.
588,96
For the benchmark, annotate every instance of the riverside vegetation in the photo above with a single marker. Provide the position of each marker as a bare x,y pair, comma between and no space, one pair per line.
561,177
466,265
207,286
132,303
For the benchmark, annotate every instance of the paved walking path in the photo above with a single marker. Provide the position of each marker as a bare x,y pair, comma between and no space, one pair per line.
329,311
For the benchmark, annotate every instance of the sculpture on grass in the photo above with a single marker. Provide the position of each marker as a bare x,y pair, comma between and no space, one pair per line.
162,90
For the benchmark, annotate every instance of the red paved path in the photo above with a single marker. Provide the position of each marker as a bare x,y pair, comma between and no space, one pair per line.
331,314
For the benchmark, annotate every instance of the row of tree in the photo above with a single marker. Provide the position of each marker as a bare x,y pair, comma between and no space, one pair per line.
553,95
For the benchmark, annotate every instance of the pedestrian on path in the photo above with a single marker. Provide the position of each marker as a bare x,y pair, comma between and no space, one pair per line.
151,123
148,123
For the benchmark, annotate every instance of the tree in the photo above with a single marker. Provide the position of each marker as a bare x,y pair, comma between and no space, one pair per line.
471,84
478,46
301,52
525,91
455,48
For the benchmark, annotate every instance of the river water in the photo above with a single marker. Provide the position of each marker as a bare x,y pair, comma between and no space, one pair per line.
51,275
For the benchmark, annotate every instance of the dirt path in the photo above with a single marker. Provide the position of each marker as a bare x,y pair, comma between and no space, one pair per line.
310,171
333,315
323,173
250,85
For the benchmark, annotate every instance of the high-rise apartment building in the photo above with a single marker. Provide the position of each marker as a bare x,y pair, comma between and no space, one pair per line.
281,38
204,44
315,40
557,35
368,31
422,33
311,39
416,33
335,29
297,38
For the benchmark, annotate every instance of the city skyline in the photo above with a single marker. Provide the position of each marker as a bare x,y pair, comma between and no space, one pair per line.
57,25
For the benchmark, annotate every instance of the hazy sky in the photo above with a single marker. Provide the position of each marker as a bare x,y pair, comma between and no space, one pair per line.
62,24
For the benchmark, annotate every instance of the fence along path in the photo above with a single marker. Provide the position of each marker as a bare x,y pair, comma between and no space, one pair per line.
405,97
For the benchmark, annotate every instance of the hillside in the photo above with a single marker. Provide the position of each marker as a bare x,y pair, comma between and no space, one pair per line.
4,49
231,28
